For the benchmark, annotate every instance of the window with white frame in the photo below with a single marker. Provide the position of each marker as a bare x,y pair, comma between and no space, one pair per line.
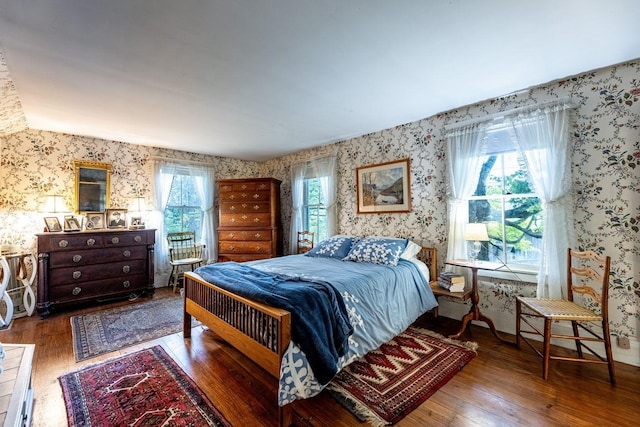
183,211
504,200
314,211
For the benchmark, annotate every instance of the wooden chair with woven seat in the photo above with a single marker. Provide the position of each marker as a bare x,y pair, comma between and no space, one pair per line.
305,241
586,304
184,251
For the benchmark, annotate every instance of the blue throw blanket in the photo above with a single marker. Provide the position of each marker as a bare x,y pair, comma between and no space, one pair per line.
319,320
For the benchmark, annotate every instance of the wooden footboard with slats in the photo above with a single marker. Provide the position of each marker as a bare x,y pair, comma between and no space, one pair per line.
260,332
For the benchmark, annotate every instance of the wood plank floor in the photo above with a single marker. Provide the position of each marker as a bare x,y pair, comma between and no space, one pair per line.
502,386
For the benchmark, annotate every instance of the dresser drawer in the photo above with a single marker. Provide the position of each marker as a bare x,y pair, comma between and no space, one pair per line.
256,247
75,241
237,186
126,239
245,207
234,235
97,288
65,275
245,220
240,257
97,256
245,196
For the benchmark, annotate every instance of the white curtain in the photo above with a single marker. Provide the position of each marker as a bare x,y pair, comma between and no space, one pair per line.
297,199
542,136
326,170
464,156
163,173
205,183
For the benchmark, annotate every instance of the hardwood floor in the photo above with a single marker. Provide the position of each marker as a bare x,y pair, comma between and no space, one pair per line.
502,386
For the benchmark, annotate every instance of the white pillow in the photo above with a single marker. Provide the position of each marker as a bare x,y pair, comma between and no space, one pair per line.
422,267
411,250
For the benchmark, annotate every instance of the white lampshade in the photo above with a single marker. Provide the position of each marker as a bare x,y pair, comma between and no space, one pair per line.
55,204
476,232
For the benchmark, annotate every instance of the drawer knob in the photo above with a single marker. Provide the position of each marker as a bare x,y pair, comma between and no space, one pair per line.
231,235
63,243
126,269
244,195
244,186
137,239
76,274
256,207
126,283
77,258
115,240
256,220
127,253
256,196
258,235
76,290
232,248
91,242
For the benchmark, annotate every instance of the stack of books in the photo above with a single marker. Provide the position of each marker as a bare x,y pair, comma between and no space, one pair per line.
450,281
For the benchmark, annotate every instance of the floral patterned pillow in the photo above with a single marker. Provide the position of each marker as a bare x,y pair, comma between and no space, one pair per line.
377,250
334,247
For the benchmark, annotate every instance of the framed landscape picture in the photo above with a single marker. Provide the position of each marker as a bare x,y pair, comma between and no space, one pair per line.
384,187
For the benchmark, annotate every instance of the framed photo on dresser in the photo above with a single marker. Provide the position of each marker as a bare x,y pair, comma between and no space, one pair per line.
116,218
95,221
52,224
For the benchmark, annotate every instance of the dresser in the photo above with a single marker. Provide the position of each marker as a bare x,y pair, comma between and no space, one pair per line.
249,225
77,267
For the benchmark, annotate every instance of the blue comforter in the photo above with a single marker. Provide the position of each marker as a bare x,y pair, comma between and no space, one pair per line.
323,336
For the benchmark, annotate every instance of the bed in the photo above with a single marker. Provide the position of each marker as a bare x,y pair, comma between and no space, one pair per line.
380,293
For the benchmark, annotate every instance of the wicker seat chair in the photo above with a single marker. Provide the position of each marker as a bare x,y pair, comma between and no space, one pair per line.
305,241
184,251
586,305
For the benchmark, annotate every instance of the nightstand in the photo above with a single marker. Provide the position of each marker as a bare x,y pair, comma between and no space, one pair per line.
474,312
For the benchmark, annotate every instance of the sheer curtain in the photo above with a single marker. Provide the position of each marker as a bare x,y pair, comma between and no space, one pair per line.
297,199
326,170
464,156
543,138
163,174
205,183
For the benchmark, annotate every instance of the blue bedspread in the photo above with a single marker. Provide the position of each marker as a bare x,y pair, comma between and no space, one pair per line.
323,337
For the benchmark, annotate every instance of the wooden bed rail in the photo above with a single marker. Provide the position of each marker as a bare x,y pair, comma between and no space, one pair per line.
260,332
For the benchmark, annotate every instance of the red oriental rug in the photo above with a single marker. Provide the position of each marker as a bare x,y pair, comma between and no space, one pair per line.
388,383
146,388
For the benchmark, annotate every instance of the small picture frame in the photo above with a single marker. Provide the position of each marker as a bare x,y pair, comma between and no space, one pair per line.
136,223
94,221
52,224
116,218
71,224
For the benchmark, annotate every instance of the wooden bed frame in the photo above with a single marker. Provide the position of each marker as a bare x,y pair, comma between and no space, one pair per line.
260,332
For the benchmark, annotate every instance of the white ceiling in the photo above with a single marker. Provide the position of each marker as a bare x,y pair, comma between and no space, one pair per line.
257,79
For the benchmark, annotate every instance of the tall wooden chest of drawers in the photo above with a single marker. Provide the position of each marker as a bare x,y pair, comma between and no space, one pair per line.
75,267
249,223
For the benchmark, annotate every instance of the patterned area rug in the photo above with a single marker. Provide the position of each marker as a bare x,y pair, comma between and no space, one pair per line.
146,388
388,383
108,330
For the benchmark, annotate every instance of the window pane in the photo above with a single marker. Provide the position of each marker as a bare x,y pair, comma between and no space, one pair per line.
514,223
183,211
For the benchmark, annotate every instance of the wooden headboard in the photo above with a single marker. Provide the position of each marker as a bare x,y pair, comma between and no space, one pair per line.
430,257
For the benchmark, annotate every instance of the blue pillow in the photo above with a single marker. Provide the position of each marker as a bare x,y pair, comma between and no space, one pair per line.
334,247
377,250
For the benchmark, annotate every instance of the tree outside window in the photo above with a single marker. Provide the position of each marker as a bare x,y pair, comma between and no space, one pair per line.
314,210
504,200
183,211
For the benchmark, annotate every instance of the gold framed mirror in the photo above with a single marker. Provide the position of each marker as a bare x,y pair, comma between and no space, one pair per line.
92,186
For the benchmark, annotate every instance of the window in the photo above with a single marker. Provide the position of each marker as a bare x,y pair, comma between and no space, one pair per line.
314,212
183,211
504,200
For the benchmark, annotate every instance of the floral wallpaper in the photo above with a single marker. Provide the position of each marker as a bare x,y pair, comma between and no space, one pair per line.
605,156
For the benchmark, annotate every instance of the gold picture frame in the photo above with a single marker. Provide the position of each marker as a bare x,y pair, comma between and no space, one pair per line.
384,187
